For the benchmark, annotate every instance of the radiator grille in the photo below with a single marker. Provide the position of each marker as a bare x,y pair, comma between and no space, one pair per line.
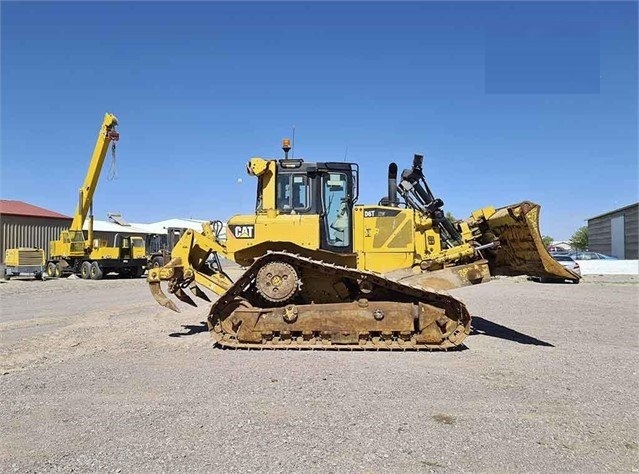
30,257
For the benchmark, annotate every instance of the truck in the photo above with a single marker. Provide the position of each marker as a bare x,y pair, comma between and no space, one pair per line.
76,253
159,246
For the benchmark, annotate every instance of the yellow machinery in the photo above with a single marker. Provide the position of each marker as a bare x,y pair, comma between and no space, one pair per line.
325,272
159,246
75,253
24,261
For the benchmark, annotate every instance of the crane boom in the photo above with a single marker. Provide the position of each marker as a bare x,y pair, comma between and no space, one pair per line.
106,135
73,252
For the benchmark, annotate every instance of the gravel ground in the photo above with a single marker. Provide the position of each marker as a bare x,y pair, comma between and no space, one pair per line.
96,376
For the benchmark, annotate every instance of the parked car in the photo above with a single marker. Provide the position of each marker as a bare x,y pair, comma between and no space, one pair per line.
590,256
556,249
567,262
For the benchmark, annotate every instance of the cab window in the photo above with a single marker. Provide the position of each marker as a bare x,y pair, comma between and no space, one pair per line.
137,242
293,192
258,199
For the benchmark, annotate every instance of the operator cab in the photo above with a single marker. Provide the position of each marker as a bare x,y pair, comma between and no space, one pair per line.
326,189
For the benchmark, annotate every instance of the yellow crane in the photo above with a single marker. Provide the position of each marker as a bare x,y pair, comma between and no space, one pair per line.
326,272
75,253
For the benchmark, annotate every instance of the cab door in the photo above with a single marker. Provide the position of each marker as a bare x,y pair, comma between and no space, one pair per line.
336,229
125,247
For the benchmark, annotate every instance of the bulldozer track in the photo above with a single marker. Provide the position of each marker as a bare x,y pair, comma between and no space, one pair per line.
455,317
225,344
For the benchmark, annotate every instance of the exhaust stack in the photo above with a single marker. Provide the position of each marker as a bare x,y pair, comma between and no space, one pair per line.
392,185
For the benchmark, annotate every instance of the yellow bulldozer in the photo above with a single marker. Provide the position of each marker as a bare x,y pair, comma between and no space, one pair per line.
325,272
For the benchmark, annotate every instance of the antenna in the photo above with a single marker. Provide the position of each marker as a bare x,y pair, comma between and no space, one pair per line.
293,144
345,153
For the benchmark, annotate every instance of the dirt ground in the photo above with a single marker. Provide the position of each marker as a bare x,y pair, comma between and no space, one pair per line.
97,376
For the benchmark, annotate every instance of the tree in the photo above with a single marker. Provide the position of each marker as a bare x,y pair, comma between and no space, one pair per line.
547,240
579,239
450,217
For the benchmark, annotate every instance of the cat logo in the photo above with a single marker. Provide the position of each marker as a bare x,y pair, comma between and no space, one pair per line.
243,231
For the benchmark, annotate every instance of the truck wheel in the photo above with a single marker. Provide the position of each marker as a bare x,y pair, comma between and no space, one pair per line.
58,270
38,275
51,269
7,276
96,271
85,270
157,262
137,272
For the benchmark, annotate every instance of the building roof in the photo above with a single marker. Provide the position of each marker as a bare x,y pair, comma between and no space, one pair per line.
139,228
107,226
612,212
161,226
20,208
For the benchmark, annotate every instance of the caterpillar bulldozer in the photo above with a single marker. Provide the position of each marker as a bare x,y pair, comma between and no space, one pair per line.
324,272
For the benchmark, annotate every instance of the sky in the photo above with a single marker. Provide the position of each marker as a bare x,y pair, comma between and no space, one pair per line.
508,101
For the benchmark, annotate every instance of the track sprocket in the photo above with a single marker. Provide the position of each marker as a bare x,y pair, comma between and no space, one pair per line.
277,282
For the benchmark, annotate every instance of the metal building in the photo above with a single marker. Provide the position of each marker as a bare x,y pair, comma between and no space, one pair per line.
616,232
26,225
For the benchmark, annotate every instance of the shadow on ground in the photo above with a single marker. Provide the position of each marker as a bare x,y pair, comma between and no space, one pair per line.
191,329
484,327
551,281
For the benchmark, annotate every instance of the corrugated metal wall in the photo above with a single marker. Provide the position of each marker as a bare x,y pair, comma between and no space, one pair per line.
599,232
599,238
24,231
632,232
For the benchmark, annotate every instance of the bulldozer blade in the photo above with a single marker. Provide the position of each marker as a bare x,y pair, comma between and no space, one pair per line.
161,298
198,292
179,292
521,250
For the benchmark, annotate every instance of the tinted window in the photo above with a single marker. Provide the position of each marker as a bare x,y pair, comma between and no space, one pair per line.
293,191
335,196
588,256
560,258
